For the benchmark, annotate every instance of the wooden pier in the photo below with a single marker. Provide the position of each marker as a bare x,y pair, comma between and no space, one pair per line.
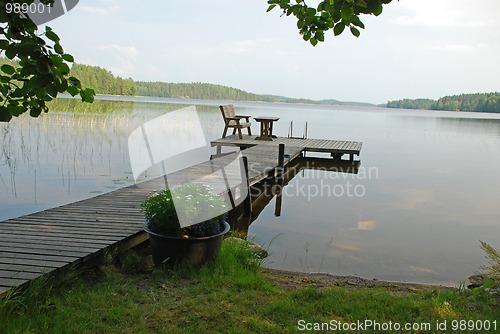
336,148
49,241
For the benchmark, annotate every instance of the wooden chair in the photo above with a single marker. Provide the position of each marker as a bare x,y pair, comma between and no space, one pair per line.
234,121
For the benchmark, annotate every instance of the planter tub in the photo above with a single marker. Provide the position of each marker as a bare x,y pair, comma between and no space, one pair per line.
195,251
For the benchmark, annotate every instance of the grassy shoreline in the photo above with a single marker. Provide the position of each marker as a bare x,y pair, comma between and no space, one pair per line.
231,295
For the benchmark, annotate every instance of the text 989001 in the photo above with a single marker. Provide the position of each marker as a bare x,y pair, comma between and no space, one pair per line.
24,8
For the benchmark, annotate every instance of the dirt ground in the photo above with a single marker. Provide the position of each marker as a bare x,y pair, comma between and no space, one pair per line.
288,279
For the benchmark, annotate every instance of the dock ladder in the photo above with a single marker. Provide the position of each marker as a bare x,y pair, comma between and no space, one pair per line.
290,132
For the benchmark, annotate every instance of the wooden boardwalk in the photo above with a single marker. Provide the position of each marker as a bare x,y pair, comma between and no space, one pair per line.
54,239
49,241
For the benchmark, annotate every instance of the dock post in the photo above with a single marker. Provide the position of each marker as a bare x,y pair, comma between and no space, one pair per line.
281,162
247,203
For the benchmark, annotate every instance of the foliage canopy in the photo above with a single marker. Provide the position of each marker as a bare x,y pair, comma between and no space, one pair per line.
336,15
42,70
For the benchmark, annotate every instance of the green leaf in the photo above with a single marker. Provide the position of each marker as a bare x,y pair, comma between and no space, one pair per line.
314,41
307,36
357,22
5,79
310,11
73,91
43,67
5,115
15,110
35,112
51,35
11,51
74,82
270,8
346,13
339,28
68,58
355,31
4,44
361,3
8,69
58,48
63,69
87,95
336,15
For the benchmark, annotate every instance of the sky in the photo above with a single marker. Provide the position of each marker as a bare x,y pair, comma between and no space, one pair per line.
414,49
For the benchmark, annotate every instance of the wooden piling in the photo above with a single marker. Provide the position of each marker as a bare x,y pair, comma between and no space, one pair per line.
247,203
281,162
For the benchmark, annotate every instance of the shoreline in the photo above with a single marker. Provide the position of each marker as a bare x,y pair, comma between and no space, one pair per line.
291,279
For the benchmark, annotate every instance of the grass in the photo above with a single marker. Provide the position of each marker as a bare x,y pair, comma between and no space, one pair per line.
492,270
231,295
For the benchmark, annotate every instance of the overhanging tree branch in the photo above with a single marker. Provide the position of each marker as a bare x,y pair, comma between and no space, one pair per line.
42,70
336,15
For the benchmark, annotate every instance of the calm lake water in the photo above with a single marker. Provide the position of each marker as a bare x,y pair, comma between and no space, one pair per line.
426,193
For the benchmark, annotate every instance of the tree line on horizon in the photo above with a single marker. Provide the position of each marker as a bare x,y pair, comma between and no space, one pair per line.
478,102
105,83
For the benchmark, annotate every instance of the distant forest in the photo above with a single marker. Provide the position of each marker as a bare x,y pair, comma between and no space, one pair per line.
105,83
196,90
479,102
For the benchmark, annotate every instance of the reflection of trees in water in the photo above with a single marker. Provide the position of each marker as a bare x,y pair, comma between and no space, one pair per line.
70,144
99,106
79,139
7,160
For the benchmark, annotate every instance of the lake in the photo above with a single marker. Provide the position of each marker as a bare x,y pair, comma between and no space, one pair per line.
427,190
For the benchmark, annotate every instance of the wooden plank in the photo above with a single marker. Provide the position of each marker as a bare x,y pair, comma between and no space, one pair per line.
54,238
29,233
7,283
10,267
98,229
42,258
52,241
30,264
71,232
22,275
36,251
33,248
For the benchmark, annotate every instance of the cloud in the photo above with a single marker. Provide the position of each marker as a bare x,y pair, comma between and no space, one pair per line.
94,10
444,13
365,225
123,58
124,51
347,245
106,7
461,48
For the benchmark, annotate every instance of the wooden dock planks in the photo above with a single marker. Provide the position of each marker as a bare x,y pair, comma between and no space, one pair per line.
308,145
54,239
48,241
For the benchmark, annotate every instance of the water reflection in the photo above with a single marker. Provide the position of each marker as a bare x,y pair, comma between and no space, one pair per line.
63,156
431,195
420,220
275,189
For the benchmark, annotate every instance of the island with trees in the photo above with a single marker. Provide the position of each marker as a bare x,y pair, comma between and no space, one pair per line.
478,102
